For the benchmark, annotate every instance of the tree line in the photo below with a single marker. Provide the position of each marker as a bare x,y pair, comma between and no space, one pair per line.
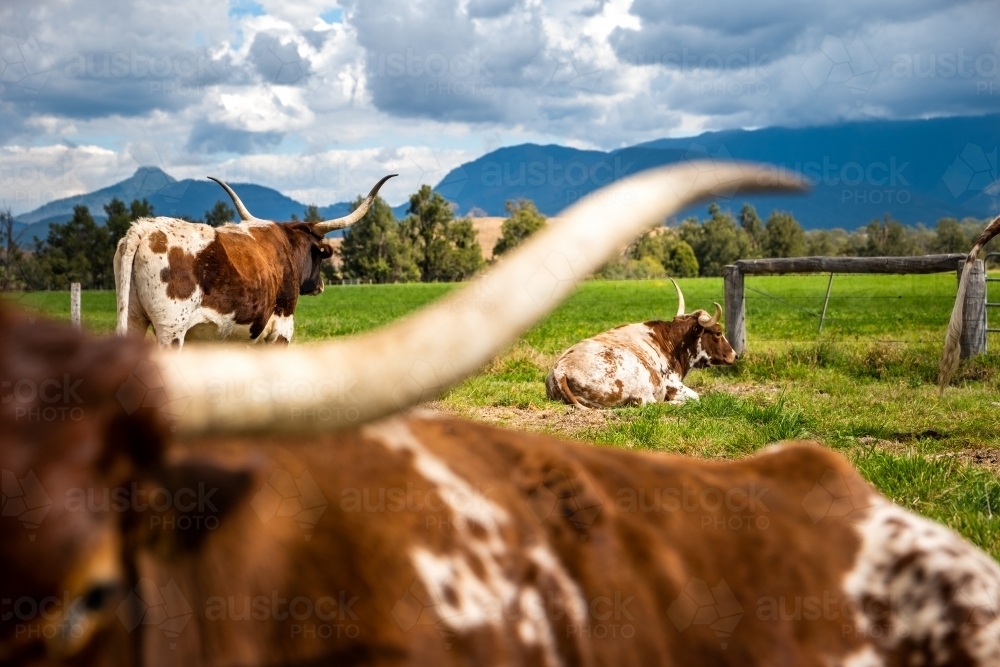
703,247
431,244
79,250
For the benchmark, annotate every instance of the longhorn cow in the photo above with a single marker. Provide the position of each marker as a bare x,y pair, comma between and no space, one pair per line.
635,364
249,531
236,282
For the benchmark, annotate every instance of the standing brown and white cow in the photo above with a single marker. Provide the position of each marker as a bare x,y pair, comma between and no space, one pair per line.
245,536
236,282
635,364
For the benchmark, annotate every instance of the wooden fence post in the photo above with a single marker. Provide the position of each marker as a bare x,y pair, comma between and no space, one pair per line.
974,312
74,304
736,330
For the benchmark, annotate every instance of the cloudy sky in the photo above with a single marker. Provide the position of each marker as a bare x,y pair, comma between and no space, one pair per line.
318,98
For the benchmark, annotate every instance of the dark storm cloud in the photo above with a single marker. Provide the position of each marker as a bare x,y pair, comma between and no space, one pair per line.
277,60
490,8
703,34
84,62
209,137
430,60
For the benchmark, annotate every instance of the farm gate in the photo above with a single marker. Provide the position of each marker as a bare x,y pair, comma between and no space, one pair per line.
974,329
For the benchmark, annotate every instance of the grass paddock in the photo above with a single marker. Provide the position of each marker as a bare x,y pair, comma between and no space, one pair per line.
863,386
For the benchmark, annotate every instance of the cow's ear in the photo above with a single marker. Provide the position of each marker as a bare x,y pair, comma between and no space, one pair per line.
190,499
325,250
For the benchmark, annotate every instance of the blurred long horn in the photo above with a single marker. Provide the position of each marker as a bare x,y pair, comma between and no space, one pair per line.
355,215
245,215
707,321
680,298
344,383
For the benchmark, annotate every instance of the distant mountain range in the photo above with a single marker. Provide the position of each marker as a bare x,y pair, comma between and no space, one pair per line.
169,197
917,171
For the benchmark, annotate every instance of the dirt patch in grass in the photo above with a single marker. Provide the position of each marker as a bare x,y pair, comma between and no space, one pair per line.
747,389
557,420
975,456
984,458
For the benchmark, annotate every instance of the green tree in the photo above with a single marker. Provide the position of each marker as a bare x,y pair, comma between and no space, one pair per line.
219,215
523,220
120,217
674,256
887,238
443,249
373,248
752,225
716,242
456,254
76,252
312,214
783,236
627,268
950,237
11,255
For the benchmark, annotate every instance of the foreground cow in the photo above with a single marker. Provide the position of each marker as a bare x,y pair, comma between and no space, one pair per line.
430,540
635,364
236,282
953,339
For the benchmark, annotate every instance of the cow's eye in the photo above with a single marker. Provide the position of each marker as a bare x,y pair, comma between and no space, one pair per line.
100,595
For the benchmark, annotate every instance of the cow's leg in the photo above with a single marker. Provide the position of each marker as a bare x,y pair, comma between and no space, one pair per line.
138,323
688,394
677,392
169,337
284,327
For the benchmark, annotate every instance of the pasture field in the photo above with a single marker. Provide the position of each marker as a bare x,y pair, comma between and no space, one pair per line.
865,386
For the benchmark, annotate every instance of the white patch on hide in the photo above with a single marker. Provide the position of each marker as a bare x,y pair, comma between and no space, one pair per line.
464,600
907,565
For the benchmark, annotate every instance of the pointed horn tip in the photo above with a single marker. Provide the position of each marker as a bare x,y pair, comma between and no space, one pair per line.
680,299
757,177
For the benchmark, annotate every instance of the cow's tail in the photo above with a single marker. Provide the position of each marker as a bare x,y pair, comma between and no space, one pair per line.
124,257
952,340
557,387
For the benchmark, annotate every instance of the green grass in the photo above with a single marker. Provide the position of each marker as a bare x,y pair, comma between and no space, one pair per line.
864,386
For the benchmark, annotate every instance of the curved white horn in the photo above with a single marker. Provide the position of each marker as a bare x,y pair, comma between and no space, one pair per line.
343,383
355,215
710,321
245,215
680,298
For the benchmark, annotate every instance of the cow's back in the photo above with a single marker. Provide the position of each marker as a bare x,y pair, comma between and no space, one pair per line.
191,281
527,550
615,368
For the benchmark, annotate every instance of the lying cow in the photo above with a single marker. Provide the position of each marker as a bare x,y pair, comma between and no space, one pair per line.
236,282
953,339
635,364
424,539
